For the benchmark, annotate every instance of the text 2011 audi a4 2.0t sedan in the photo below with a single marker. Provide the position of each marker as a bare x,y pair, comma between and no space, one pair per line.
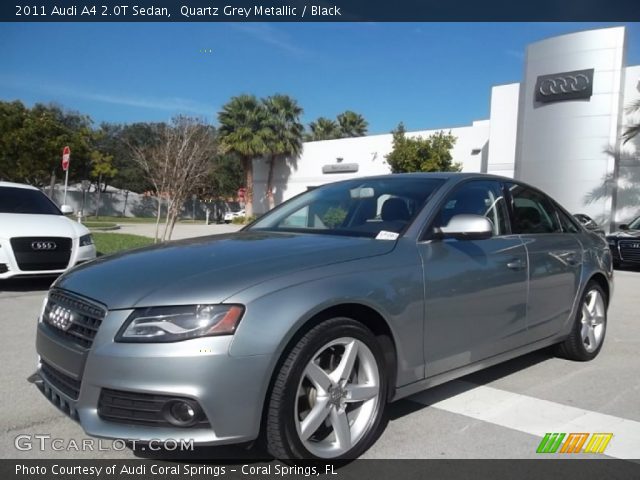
305,324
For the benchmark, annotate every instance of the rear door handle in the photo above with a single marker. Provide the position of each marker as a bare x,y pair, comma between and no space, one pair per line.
517,264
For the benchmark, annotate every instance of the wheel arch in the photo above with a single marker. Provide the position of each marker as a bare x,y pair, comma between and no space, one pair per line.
365,314
602,281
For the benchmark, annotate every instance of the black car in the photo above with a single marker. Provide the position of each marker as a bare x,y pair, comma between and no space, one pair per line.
625,244
589,223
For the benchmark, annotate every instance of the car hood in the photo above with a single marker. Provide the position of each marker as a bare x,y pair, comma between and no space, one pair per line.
622,234
31,225
209,269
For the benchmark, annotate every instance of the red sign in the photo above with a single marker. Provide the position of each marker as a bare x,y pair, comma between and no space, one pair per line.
242,192
66,154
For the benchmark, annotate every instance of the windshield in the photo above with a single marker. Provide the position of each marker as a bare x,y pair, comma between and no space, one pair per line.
357,207
635,225
24,200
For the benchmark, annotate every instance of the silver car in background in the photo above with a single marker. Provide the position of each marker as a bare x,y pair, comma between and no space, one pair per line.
302,327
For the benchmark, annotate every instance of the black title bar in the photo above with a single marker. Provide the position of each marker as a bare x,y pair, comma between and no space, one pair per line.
318,10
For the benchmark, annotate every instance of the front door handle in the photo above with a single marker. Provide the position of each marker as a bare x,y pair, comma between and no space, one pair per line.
517,264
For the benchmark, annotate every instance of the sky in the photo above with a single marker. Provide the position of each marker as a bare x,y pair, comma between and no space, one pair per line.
427,75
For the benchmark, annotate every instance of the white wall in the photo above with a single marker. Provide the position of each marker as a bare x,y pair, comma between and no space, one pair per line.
629,163
294,176
503,129
561,146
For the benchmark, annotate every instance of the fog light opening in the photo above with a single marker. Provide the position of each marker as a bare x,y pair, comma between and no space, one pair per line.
182,413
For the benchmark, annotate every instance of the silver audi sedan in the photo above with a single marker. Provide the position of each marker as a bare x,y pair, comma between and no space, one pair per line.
300,328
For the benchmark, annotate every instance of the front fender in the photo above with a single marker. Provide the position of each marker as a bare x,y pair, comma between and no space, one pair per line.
276,312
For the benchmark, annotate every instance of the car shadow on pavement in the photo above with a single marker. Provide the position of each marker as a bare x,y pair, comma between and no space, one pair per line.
38,284
469,382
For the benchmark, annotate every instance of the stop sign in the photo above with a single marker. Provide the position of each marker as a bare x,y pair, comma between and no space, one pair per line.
66,154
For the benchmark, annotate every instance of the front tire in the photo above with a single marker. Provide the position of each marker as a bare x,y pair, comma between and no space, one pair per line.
588,332
329,394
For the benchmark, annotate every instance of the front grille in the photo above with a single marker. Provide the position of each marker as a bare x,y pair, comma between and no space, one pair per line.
41,253
630,250
61,381
137,408
81,318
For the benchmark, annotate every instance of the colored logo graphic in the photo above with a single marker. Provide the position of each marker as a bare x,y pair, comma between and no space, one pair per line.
556,443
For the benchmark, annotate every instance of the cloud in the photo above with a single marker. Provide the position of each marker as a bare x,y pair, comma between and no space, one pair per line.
171,104
270,35
514,54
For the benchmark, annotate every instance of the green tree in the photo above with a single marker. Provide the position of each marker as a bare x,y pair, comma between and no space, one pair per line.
31,142
225,178
323,129
116,140
352,124
417,154
284,134
243,130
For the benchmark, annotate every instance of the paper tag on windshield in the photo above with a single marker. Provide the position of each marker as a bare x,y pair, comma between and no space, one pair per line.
384,235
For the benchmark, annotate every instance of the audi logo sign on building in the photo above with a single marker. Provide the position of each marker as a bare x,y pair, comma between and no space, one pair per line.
558,87
39,246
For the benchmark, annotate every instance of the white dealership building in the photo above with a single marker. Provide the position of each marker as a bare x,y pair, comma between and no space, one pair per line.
558,129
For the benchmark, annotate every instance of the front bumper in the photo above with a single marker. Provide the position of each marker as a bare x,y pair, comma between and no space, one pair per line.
624,255
9,267
230,390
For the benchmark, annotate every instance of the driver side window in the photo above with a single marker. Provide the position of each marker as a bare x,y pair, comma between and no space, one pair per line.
477,198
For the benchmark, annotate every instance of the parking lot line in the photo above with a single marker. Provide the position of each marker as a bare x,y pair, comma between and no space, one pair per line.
532,415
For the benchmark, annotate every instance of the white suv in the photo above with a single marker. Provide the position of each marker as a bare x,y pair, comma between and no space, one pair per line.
35,237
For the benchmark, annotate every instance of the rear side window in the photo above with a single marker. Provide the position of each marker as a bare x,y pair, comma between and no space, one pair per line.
533,212
567,223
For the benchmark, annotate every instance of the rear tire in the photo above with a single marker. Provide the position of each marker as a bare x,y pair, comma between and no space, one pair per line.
590,326
329,395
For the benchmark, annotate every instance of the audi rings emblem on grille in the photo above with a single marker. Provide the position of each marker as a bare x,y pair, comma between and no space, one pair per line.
43,245
60,317
570,83
564,86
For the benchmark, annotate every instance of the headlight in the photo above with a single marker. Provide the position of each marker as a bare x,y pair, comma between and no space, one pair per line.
611,242
86,240
173,324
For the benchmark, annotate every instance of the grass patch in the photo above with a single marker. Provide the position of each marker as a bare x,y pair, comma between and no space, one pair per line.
243,220
99,224
122,219
107,243
117,220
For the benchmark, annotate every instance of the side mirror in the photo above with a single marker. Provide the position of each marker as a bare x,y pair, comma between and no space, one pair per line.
66,209
624,226
468,227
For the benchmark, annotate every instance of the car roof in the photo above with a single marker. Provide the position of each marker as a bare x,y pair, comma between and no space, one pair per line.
18,185
438,175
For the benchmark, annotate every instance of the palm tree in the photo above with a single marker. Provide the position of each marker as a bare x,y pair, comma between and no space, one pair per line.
242,133
634,129
323,129
284,136
352,124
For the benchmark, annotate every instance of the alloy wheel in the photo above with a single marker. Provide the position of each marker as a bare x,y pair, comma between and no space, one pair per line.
592,320
337,397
